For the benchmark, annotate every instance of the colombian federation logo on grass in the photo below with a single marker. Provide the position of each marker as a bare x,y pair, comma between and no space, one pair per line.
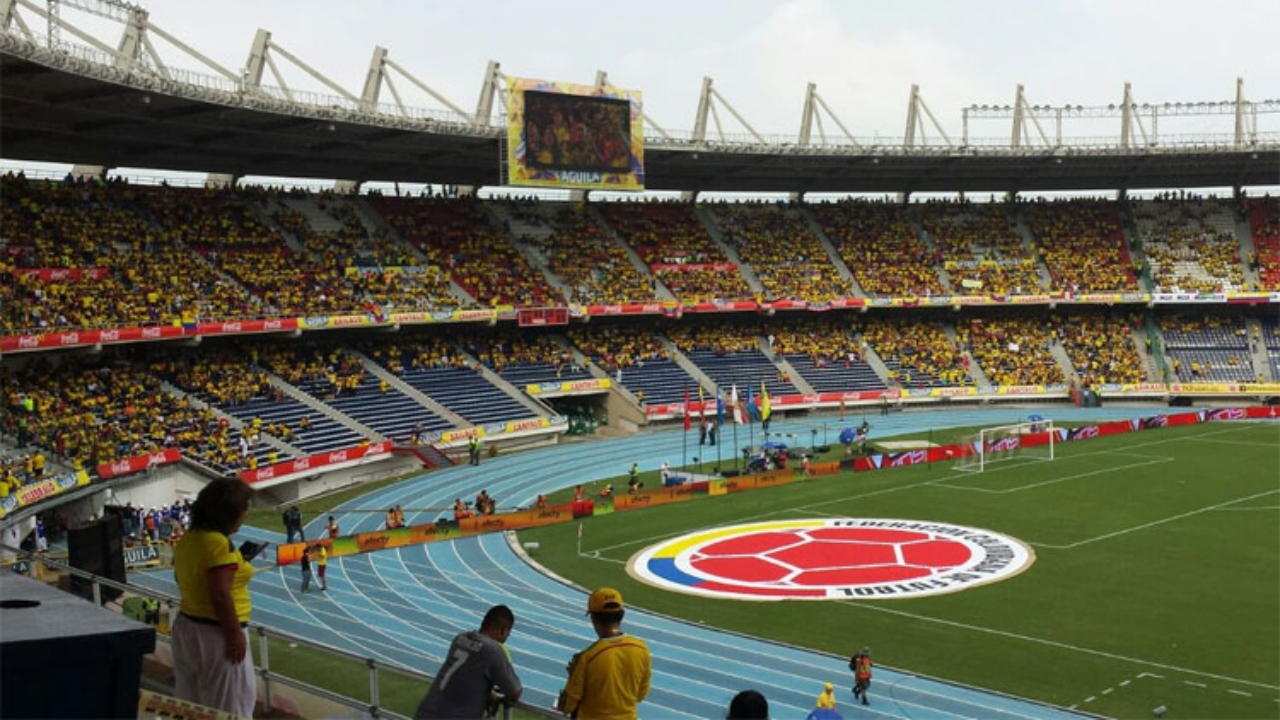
831,559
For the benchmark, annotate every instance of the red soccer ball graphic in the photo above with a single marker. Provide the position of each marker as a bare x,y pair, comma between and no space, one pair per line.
830,556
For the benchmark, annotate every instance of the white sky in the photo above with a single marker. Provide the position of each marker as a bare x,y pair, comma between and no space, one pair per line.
863,56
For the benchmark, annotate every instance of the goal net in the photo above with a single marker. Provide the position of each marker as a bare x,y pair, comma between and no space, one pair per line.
1028,441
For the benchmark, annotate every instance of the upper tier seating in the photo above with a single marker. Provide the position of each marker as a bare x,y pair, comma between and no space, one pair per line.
881,248
980,248
1082,243
679,251
1190,244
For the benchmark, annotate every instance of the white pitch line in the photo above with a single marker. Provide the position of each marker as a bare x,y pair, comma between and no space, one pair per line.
1239,692
1269,446
1060,645
1065,478
1195,684
1154,523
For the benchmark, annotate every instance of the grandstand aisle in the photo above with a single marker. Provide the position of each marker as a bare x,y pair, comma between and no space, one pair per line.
403,606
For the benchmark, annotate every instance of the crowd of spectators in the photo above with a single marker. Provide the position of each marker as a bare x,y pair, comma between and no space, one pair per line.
224,227
783,251
719,337
1012,351
1189,244
1082,243
1101,347
979,246
881,248
499,349
423,353
921,348
673,242
115,268
825,341
104,410
615,348
591,263
1264,223
456,236
326,371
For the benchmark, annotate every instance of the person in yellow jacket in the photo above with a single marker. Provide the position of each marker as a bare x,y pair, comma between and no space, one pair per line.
826,698
611,677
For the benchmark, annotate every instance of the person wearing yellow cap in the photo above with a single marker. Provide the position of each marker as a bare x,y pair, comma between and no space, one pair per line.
827,698
611,677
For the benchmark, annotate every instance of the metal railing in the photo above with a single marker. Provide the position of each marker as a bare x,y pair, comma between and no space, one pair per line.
267,678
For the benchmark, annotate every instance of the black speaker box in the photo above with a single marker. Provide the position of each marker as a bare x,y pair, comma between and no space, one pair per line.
97,548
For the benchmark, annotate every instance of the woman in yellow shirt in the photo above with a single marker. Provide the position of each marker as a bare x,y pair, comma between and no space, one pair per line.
210,660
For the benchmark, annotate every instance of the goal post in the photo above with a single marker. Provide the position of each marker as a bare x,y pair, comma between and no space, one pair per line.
1027,441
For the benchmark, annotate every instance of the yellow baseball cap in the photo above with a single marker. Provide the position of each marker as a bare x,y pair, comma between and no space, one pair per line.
605,599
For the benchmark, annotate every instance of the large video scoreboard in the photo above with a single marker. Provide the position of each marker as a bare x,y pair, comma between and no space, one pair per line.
574,136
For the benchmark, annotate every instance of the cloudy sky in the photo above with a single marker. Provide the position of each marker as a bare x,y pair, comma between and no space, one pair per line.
863,56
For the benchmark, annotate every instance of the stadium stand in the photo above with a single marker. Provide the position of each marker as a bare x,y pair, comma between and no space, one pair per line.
591,263
1208,348
444,374
1101,347
678,249
980,248
730,355
1067,230
783,252
635,359
827,353
879,245
918,354
1264,223
1011,351
1190,244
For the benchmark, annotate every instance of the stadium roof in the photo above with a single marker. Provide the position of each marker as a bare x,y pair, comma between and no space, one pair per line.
49,113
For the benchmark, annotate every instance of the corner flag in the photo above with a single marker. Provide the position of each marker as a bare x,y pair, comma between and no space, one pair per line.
765,409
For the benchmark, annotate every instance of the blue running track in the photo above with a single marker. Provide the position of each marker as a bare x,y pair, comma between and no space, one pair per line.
404,606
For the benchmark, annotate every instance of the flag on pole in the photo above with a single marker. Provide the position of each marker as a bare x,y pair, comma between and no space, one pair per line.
753,412
737,409
688,422
719,406
702,404
765,409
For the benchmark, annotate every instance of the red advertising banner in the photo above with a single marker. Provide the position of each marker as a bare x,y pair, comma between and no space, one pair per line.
62,274
138,464
237,327
314,462
690,267
49,341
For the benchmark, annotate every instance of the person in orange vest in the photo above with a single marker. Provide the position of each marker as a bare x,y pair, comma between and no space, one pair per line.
860,664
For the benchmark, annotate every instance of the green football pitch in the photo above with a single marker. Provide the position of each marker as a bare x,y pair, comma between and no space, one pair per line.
1156,580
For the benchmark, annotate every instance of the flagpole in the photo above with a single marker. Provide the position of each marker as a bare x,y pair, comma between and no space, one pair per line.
684,443
684,450
737,455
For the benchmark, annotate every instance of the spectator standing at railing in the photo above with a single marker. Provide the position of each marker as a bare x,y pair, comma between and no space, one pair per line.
211,663
611,677
476,663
